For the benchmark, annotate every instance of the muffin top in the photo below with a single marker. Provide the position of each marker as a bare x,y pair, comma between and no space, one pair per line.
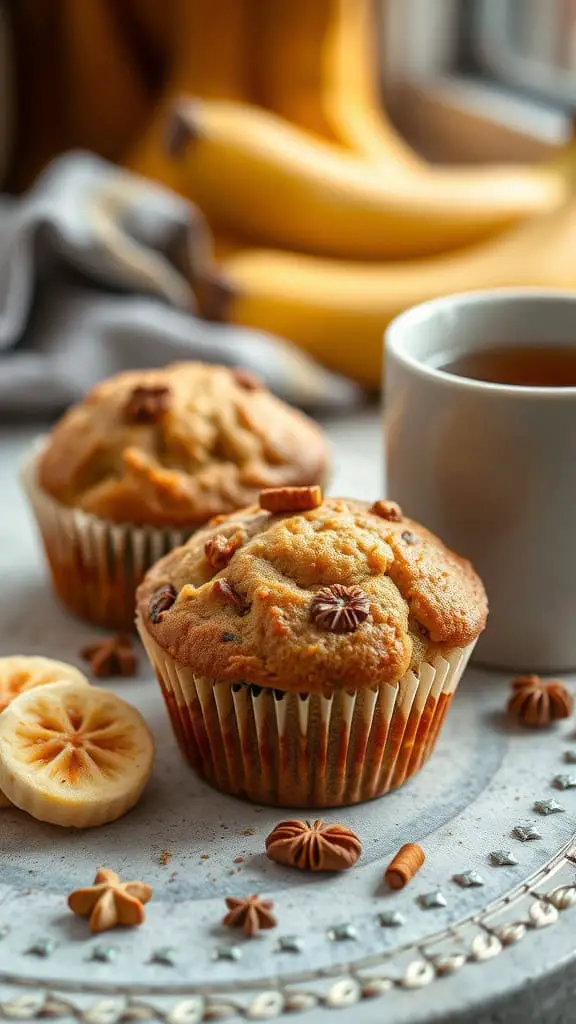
336,597
175,446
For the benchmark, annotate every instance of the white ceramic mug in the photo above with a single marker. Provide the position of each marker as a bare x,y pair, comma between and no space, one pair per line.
491,468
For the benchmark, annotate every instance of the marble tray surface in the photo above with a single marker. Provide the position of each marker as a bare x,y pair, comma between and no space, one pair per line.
500,948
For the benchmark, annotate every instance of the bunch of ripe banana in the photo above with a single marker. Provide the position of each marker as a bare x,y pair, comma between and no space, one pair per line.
326,224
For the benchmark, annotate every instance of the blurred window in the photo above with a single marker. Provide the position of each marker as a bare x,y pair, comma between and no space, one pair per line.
529,45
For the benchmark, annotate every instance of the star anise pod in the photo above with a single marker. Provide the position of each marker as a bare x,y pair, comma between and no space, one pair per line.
161,600
339,609
110,902
147,404
111,657
537,703
313,846
251,914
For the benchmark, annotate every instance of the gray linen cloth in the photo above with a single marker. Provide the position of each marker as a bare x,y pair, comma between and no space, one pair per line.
94,278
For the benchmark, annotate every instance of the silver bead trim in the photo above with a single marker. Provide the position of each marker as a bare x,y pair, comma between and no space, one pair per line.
564,781
391,919
343,933
469,880
226,952
526,833
290,944
546,807
165,955
432,900
104,954
502,859
42,948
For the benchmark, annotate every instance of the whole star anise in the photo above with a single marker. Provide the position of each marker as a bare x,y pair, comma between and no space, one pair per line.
111,657
313,846
110,902
537,703
161,600
339,609
147,404
252,914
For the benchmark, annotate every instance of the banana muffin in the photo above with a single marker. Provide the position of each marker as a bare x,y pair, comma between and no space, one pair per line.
145,460
307,649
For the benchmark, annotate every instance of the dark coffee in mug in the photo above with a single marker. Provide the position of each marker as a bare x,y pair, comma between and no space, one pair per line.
536,366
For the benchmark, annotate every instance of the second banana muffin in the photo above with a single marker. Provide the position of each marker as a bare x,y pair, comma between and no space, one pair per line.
308,650
147,458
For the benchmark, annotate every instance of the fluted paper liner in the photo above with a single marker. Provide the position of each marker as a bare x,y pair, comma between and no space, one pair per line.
290,750
96,565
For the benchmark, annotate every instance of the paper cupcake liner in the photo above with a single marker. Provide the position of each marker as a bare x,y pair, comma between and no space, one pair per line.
292,750
96,565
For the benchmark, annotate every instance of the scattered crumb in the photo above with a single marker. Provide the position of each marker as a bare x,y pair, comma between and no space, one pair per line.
204,856
165,857
238,860
249,832
173,876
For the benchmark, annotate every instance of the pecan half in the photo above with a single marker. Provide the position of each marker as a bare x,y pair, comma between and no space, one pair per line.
225,590
219,549
339,609
147,404
313,846
161,600
387,510
290,499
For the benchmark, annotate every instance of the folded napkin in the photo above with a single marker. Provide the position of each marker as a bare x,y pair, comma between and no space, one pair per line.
94,278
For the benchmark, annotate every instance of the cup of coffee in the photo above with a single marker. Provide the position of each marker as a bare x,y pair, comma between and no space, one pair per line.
481,447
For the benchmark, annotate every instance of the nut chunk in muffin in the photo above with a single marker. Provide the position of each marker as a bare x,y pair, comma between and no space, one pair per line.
146,459
315,666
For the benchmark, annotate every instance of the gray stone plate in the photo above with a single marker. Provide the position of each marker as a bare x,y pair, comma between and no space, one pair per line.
439,950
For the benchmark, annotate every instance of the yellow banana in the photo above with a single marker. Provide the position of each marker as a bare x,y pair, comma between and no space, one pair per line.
74,755
210,59
337,311
317,65
265,179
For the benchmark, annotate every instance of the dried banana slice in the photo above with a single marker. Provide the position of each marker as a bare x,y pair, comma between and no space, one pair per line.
74,755
20,672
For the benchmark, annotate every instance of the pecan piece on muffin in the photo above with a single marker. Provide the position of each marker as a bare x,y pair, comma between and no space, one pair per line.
316,668
146,459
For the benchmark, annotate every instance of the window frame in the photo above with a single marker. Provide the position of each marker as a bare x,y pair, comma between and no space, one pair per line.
448,114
